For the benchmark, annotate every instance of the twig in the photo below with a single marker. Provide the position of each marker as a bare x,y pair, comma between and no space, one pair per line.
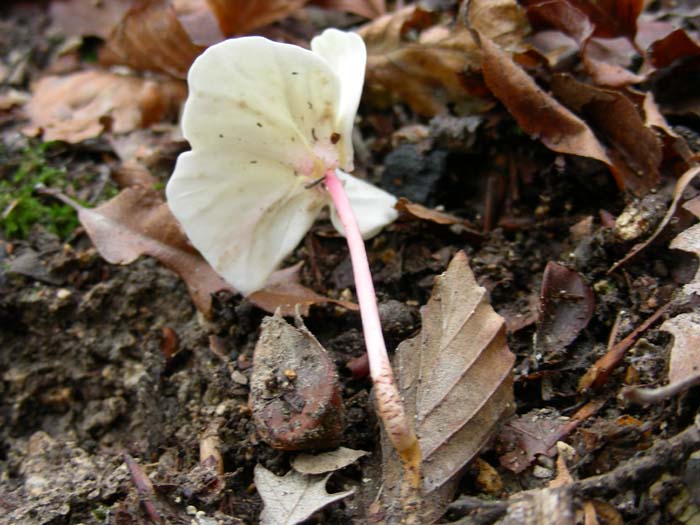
598,374
144,487
641,396
666,455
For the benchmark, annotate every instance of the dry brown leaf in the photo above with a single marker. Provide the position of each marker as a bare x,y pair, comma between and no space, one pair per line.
594,26
424,73
88,17
455,377
292,498
326,461
366,8
137,222
419,211
525,437
150,37
566,307
284,291
427,71
634,148
82,105
241,16
537,112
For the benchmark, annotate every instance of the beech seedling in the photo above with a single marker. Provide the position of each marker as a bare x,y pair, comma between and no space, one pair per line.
270,127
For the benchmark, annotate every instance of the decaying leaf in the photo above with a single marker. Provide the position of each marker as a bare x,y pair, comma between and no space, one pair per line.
80,106
455,377
366,8
284,291
87,17
292,498
137,222
566,307
150,37
294,390
427,71
240,16
537,112
525,437
633,147
598,29
419,211
326,461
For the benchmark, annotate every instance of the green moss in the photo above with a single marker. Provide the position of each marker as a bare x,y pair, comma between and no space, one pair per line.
21,207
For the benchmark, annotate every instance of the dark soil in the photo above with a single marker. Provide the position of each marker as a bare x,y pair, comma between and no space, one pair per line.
100,361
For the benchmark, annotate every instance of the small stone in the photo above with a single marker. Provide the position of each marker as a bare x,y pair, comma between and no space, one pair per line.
541,472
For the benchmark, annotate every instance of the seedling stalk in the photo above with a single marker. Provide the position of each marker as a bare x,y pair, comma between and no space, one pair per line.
389,403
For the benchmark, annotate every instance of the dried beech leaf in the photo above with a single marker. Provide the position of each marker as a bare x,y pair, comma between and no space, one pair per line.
87,17
595,28
426,72
366,8
455,377
544,117
292,498
327,461
80,106
294,390
566,307
685,357
633,147
241,16
151,38
137,222
284,291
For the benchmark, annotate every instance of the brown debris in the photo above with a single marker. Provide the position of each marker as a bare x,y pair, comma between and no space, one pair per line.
566,307
83,105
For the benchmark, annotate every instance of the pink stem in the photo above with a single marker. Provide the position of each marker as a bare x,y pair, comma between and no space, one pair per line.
389,403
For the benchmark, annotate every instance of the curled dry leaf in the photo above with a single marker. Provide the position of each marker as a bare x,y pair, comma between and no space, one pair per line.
634,148
455,377
366,8
427,72
595,26
150,37
419,211
681,185
294,390
292,498
241,16
82,105
327,461
561,130
566,307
